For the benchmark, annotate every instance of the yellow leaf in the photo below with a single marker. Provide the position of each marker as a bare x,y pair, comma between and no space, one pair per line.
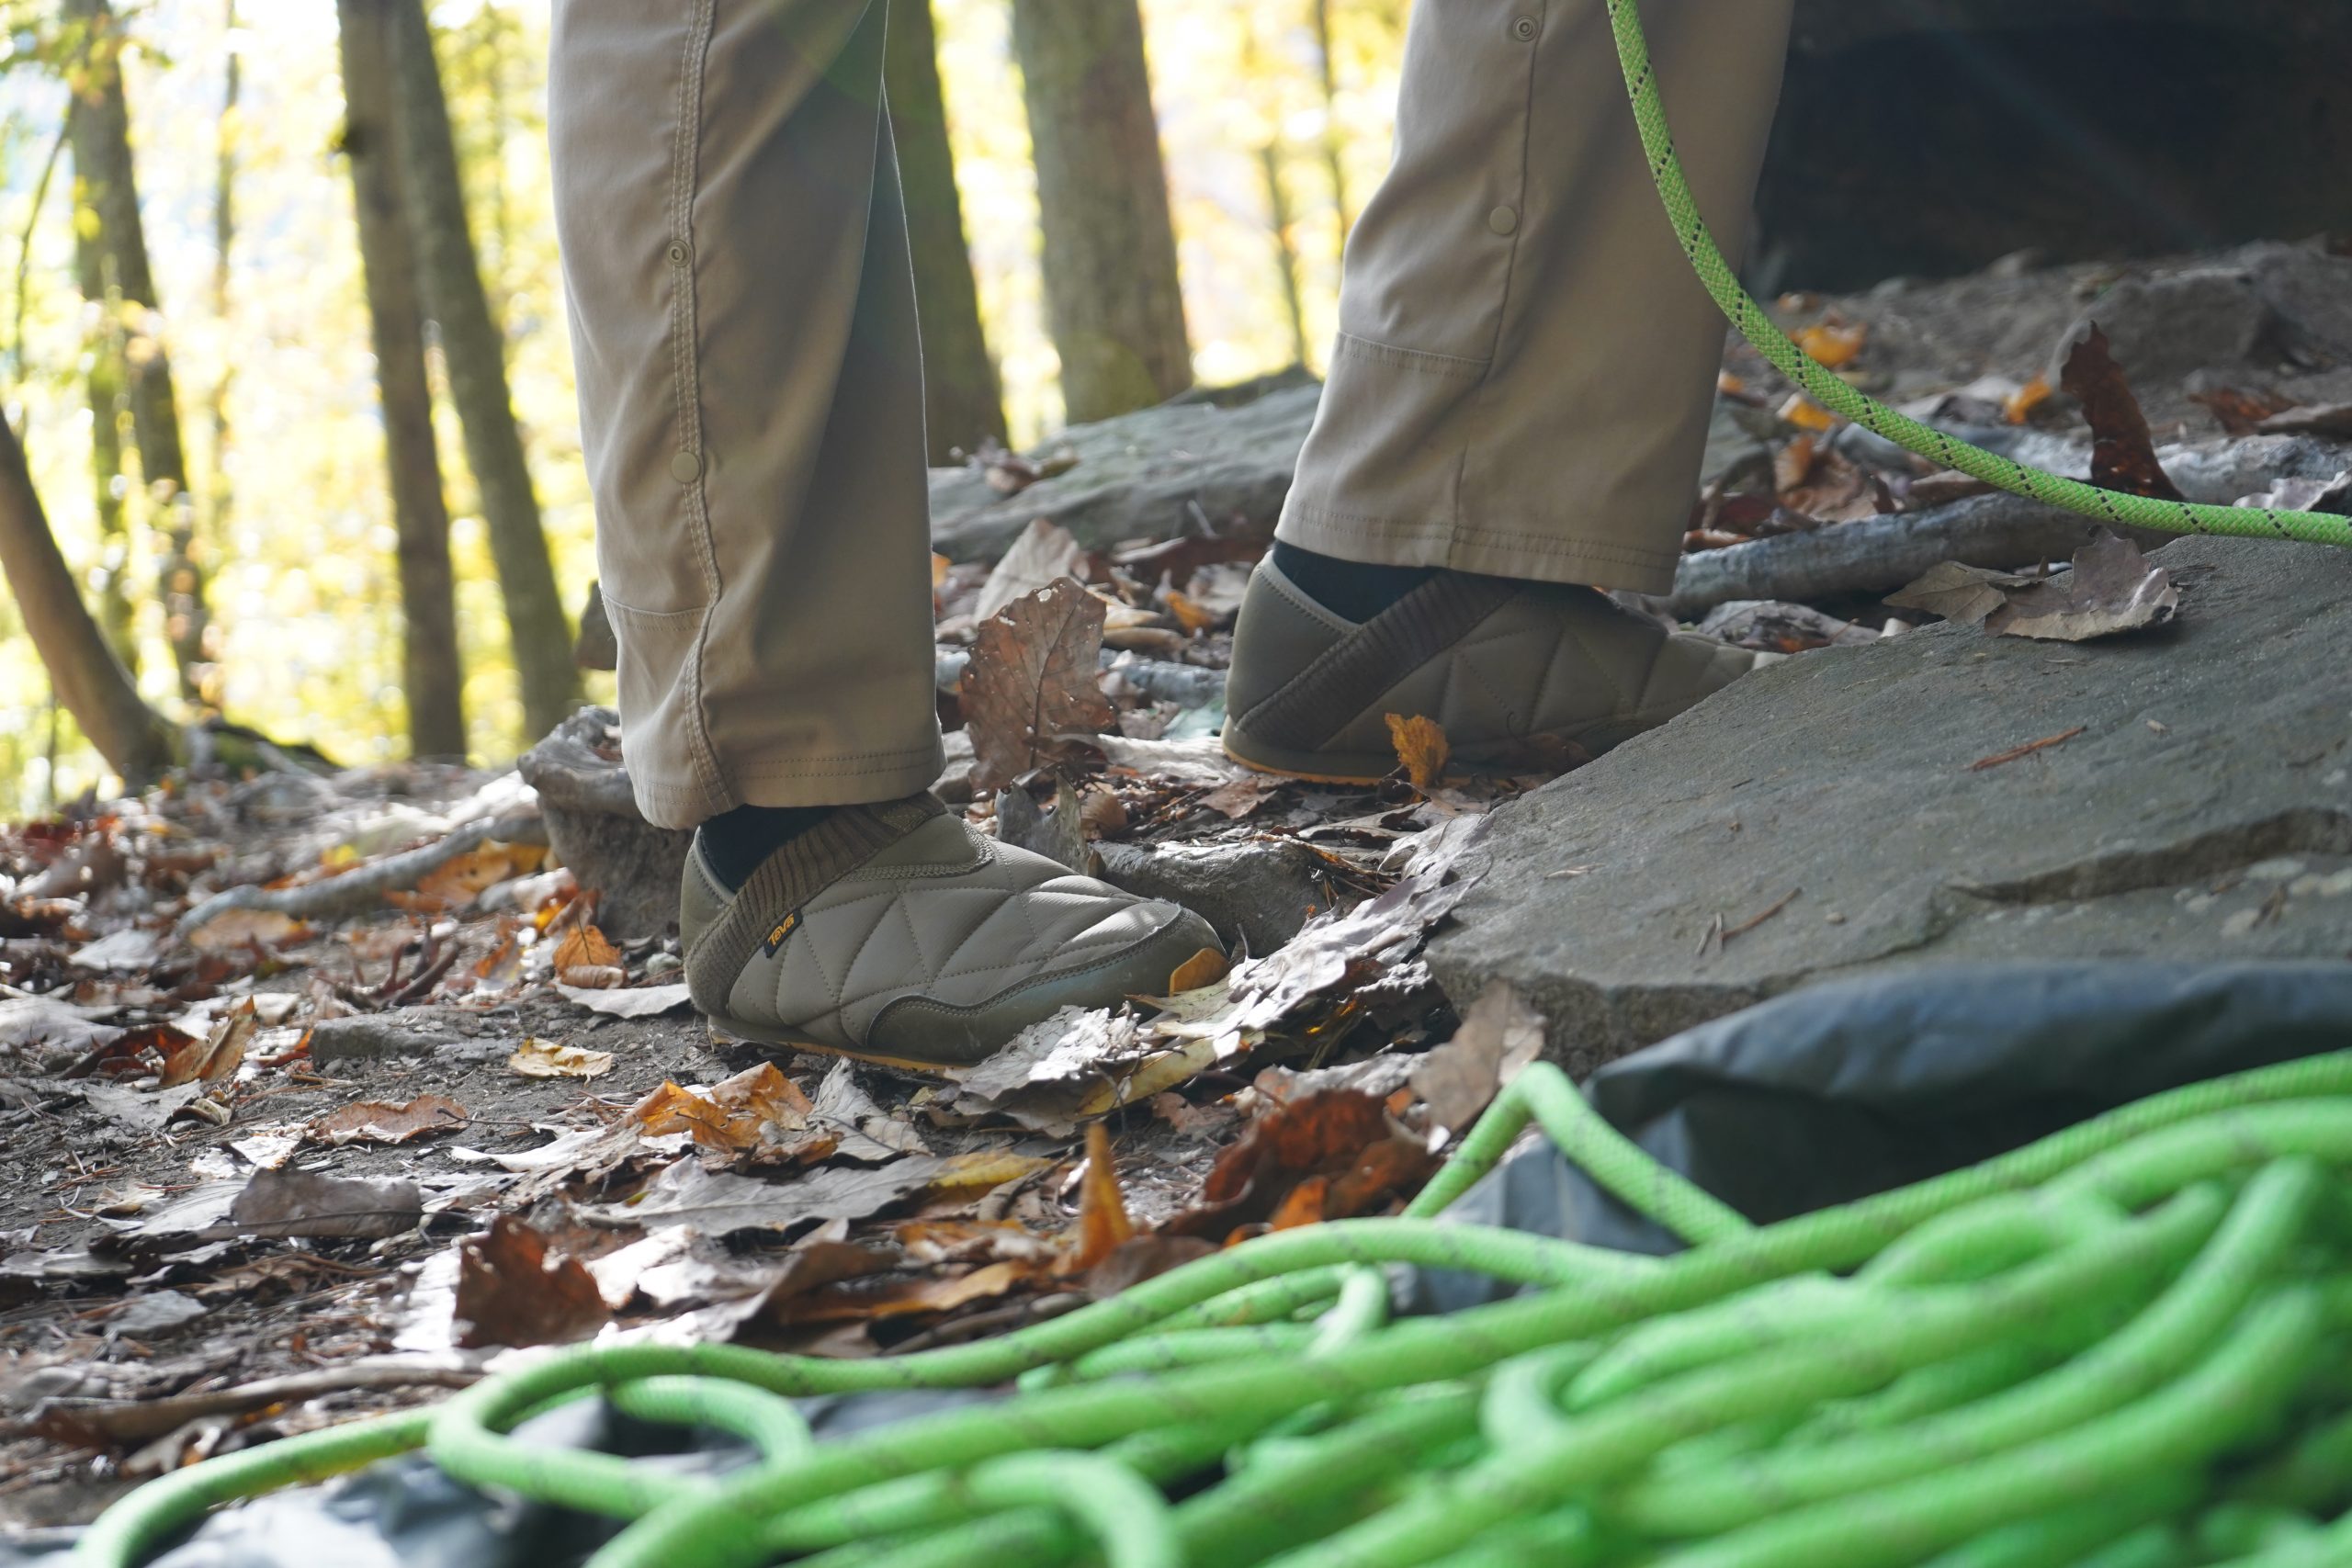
1421,749
1158,1073
1189,614
537,1058
1832,343
1806,414
938,569
979,1172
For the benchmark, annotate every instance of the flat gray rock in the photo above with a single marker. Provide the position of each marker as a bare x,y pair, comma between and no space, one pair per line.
2204,810
1178,469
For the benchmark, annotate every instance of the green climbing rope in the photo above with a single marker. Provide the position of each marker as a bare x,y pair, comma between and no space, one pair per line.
2105,1349
2112,1341
1833,393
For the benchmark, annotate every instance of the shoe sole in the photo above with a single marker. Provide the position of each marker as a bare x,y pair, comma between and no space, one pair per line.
757,1035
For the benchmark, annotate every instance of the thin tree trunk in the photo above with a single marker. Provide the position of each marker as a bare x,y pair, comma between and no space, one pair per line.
1334,144
89,681
475,353
435,678
224,234
100,124
963,405
103,381
1112,300
1270,161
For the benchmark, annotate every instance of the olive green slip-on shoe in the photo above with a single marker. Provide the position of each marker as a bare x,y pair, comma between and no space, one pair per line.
897,935
1514,673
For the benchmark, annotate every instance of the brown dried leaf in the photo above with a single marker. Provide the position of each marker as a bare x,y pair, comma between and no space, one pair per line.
2111,589
377,1122
218,1056
537,1058
1499,1035
1032,679
308,1203
1206,967
2123,455
2241,410
1421,749
1342,1136
584,946
1958,591
742,1113
513,1291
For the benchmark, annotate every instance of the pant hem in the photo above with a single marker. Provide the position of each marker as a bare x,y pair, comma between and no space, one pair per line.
683,801
1547,557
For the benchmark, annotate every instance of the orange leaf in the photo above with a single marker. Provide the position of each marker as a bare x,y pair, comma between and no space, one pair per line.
1421,749
1832,343
1806,414
2020,405
1792,464
584,947
1206,967
217,1057
1189,614
1102,1221
376,1122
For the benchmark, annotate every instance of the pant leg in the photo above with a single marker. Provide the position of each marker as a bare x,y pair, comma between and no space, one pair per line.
751,397
1525,362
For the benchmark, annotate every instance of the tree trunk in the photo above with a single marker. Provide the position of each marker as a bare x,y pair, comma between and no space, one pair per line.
962,404
1286,260
103,380
220,492
1112,300
387,253
475,353
1335,160
90,681
100,128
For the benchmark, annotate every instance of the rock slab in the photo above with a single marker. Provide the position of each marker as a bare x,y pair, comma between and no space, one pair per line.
1832,807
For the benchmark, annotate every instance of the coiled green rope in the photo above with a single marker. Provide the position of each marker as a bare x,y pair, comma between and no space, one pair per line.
1831,392
2109,1340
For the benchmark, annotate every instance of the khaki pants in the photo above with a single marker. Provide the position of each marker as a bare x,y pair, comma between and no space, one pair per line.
1521,387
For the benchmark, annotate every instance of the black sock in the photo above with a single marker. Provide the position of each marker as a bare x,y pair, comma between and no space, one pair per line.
735,843
1351,590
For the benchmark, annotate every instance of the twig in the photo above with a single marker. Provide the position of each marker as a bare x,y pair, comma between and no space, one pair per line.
2028,749
137,1420
1713,935
1749,925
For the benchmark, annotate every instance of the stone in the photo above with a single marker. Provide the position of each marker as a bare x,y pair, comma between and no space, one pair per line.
1847,809
595,827
2166,327
1181,467
1259,892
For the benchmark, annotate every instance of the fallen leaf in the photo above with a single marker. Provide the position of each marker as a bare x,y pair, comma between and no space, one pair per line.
2316,419
1346,1138
377,1122
2123,455
720,1203
858,1300
458,882
1792,464
1191,617
1832,343
1142,1258
1421,749
1102,1221
2019,406
1241,797
590,976
631,1001
1958,592
513,1291
218,1056
1043,552
2241,411
1806,414
746,1111
1835,490
2112,588
1031,680
584,946
232,931
1043,1077
307,1202
127,949
1499,1035
537,1058
1206,967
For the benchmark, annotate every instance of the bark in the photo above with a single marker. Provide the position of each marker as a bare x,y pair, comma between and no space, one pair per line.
89,681
387,253
99,125
963,405
1112,301
474,353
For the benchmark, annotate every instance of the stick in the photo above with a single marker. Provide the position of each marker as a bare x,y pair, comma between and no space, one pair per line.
2028,749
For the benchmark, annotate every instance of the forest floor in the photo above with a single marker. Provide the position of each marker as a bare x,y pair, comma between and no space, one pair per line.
320,1095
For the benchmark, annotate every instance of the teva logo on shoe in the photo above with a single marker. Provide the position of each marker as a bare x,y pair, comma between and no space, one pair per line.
784,928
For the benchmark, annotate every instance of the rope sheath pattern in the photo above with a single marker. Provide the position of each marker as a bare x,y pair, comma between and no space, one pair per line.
1831,392
2122,1335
